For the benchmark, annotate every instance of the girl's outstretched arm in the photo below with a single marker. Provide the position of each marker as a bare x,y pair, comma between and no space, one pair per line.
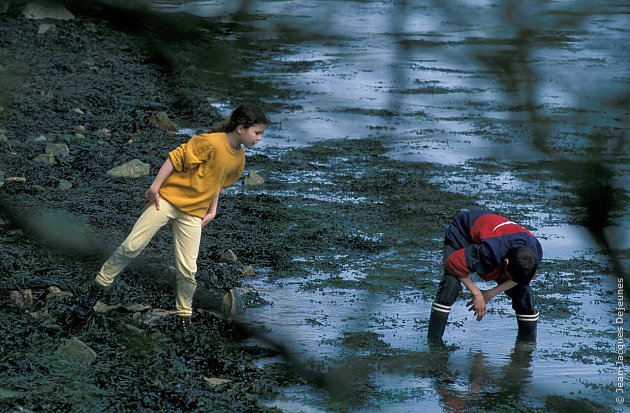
152,194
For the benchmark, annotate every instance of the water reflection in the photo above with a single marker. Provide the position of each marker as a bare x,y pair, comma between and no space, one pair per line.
486,388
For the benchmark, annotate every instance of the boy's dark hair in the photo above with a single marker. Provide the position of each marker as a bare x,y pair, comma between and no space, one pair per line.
246,115
522,264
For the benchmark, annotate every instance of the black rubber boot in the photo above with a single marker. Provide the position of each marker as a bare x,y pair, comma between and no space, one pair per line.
183,324
437,322
85,305
527,325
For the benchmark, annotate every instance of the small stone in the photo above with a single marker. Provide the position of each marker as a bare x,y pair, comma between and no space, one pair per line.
253,179
101,307
53,289
75,350
65,185
55,11
156,315
47,158
79,136
3,138
229,256
59,296
162,121
135,329
22,298
136,308
215,381
132,169
248,271
57,149
45,28
78,111
16,179
37,139
103,133
79,128
232,303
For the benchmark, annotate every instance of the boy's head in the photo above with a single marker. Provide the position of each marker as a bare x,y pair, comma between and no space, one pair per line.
521,265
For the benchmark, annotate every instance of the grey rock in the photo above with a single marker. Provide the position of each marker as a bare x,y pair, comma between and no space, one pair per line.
215,381
103,133
253,179
57,149
132,169
101,307
74,350
65,185
17,179
248,271
47,158
154,316
22,298
233,303
136,307
45,28
59,296
55,11
36,139
162,121
229,256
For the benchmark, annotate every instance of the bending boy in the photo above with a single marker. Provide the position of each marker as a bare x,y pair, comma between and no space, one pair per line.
496,249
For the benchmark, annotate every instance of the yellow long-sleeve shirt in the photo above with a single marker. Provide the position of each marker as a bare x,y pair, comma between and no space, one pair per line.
202,166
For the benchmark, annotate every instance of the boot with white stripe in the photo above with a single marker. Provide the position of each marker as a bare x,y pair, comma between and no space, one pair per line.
527,324
437,321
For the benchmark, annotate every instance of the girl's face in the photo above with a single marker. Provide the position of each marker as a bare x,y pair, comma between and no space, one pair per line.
252,135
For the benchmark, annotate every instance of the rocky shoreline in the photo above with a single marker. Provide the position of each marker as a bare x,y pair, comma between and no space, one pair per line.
82,99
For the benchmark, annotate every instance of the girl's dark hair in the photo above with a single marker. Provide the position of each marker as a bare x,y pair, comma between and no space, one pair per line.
522,264
246,115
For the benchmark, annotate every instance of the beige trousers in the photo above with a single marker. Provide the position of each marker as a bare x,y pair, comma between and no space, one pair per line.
186,237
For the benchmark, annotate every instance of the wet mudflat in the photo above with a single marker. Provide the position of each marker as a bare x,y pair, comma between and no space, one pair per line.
344,235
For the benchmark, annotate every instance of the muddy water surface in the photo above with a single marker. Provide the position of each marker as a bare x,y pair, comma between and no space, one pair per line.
397,106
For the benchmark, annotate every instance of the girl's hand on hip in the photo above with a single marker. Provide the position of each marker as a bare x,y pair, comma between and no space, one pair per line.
152,197
209,217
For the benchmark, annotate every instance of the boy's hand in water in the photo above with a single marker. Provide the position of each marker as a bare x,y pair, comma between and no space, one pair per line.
478,305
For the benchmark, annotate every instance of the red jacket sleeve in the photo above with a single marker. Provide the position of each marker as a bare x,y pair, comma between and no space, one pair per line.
455,264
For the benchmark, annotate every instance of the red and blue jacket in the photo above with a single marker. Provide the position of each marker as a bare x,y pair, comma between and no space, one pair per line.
481,241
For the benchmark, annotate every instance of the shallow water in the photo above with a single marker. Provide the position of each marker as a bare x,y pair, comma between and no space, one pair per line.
432,102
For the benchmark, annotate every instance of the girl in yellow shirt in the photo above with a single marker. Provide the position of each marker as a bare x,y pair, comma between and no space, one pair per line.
185,192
